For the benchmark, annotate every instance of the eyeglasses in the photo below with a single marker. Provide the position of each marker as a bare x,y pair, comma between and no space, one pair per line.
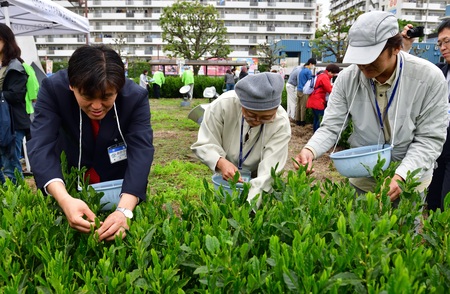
261,120
444,42
265,119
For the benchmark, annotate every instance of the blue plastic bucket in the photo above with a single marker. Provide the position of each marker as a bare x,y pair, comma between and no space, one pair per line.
111,190
218,181
357,162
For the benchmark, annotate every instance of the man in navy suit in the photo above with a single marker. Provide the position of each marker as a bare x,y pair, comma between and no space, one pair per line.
440,185
101,120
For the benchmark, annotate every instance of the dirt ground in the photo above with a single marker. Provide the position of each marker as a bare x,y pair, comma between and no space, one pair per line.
323,166
171,145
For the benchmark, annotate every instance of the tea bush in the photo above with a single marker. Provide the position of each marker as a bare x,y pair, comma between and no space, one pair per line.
307,237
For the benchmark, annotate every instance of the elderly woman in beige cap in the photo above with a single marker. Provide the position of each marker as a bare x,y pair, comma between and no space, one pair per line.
246,129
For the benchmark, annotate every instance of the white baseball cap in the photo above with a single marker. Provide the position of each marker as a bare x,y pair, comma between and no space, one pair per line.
368,36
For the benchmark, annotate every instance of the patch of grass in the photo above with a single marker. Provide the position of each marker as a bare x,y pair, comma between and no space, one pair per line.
168,115
176,172
167,121
178,179
172,145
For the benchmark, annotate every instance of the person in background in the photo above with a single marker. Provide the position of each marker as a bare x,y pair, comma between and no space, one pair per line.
243,73
158,81
303,76
32,89
101,121
229,80
30,101
291,89
246,129
143,79
235,77
317,100
13,80
392,98
440,185
188,79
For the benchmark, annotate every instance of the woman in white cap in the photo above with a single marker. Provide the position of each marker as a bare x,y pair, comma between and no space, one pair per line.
392,98
246,129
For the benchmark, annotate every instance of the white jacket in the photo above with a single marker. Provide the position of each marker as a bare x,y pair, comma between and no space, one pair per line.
418,113
219,136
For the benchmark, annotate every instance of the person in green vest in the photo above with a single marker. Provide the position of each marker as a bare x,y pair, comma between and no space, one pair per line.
158,81
32,89
188,79
30,99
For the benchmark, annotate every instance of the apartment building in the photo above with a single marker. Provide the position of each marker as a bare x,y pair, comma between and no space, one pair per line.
337,6
133,25
426,13
320,16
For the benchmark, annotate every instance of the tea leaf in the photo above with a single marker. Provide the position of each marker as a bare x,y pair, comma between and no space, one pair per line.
212,244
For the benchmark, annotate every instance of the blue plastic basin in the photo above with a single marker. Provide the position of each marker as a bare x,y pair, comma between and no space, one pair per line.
111,191
359,162
219,181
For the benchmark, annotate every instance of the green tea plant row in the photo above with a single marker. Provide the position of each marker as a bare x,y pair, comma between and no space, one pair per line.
307,237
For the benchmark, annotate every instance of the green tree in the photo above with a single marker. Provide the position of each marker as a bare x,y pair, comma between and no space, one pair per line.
403,22
331,40
191,30
269,54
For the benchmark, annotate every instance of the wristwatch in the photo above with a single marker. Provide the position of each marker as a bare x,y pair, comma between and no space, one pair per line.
128,213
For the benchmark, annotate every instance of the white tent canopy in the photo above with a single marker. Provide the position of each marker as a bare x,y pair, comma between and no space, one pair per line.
41,17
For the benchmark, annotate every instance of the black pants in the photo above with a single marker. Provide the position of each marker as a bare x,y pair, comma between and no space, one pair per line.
440,184
156,91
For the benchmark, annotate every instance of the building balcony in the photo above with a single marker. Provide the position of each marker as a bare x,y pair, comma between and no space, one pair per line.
104,16
228,5
64,40
422,19
301,17
124,3
55,53
123,28
423,6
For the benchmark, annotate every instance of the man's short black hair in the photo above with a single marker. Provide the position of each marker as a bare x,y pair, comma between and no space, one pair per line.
311,61
94,68
445,24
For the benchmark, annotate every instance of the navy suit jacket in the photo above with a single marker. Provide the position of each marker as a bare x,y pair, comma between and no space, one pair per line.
56,128
446,149
443,67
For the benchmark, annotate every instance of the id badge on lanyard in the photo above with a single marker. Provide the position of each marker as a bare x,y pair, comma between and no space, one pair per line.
117,152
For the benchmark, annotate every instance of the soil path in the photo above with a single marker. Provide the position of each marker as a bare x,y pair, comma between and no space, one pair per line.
323,166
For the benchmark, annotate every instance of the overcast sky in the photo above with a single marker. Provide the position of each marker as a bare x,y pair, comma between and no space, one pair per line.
325,10
326,4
